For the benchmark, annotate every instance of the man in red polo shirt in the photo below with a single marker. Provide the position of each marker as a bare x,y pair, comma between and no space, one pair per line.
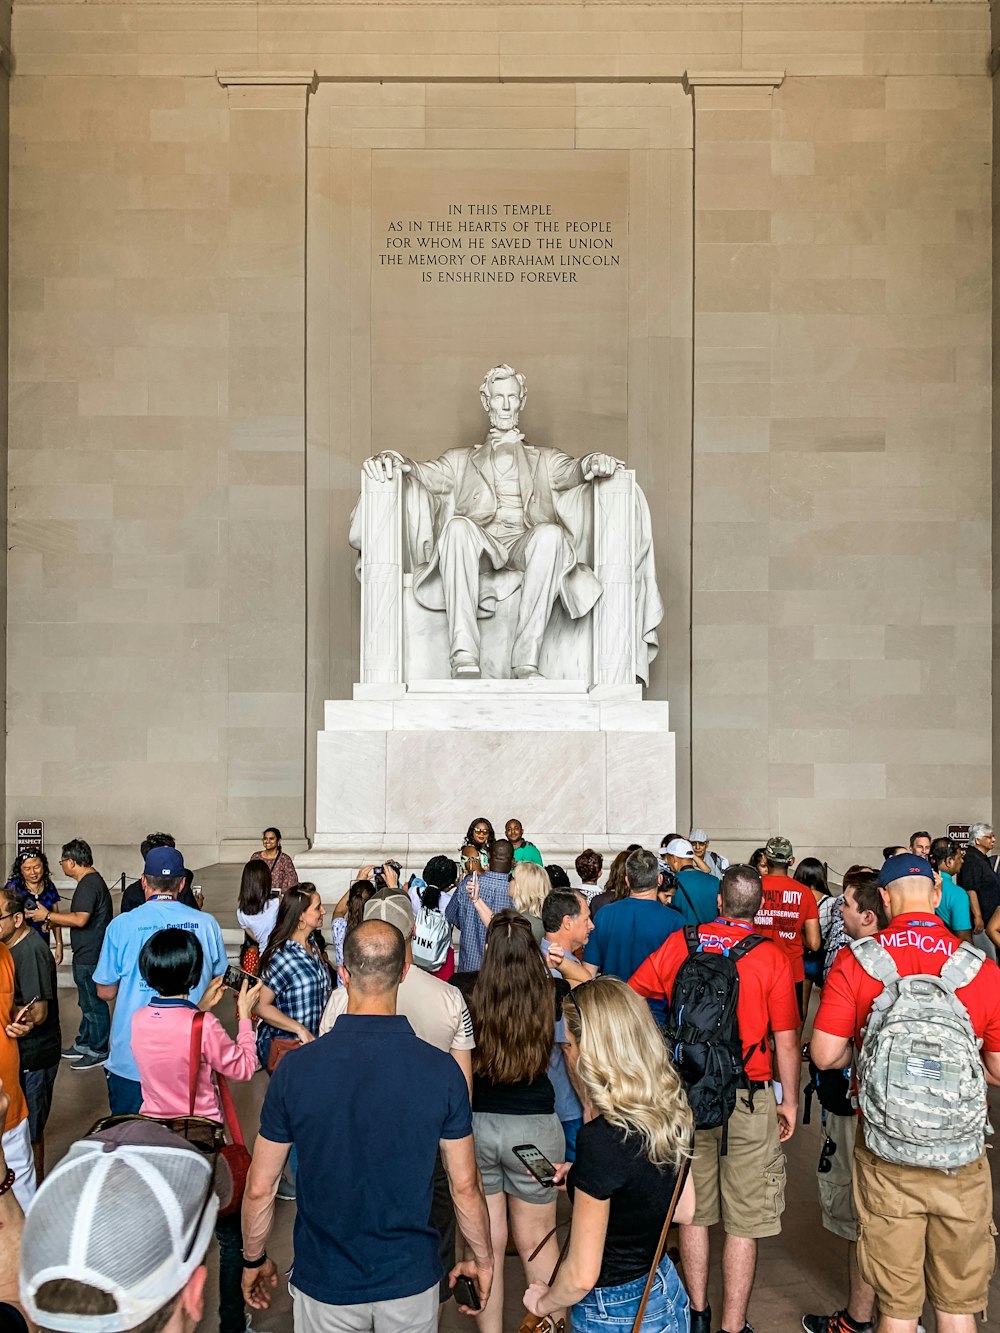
788,912
744,1188
924,1231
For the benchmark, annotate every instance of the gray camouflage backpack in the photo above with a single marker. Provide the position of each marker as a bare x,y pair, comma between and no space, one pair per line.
921,1085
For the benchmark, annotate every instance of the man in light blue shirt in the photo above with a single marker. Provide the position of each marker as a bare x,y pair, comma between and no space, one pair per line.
493,888
117,973
626,932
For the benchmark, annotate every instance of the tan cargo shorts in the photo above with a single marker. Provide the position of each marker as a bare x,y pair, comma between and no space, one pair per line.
745,1189
925,1233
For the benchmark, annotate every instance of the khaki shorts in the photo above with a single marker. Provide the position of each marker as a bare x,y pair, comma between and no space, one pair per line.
836,1186
924,1232
745,1189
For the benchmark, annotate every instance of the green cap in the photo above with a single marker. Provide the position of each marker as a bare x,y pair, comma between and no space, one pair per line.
778,850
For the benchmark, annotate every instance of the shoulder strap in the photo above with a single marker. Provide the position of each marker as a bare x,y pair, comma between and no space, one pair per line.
687,898
194,1058
692,939
875,959
229,1116
742,947
962,967
661,1244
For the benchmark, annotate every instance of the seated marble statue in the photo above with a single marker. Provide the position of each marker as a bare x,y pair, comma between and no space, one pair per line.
505,514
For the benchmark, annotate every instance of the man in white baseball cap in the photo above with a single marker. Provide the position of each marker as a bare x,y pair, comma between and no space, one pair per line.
117,1234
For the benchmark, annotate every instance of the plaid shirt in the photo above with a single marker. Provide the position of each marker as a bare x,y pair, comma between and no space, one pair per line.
461,912
301,985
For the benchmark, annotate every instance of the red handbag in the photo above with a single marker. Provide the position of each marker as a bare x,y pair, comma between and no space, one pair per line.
235,1153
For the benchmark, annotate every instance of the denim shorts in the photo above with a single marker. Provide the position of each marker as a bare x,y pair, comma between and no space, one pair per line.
611,1308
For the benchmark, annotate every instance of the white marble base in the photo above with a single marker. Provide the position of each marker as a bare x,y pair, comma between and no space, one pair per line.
404,776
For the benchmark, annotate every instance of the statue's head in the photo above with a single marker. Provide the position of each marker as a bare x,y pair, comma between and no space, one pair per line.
503,393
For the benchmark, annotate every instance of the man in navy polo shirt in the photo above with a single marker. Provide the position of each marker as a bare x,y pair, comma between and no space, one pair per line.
367,1107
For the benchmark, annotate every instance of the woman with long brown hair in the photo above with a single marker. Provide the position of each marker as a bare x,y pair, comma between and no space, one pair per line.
295,976
513,1102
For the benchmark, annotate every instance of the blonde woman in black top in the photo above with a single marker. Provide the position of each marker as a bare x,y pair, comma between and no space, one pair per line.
637,1134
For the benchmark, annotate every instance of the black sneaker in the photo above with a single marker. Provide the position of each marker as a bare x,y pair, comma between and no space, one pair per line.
92,1060
834,1323
701,1320
747,1328
73,1052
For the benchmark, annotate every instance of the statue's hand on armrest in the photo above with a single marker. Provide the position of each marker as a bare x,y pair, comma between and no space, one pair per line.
599,465
380,467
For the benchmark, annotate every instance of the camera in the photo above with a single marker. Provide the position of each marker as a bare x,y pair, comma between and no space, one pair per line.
378,873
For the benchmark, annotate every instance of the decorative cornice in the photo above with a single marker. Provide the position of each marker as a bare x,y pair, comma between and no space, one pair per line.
738,78
268,78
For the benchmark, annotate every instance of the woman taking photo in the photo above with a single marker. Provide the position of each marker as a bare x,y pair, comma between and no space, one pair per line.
296,979
283,873
170,964
478,844
513,1009
357,895
296,988
636,1138
256,912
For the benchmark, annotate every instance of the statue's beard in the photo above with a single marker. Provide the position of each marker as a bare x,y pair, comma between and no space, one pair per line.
501,420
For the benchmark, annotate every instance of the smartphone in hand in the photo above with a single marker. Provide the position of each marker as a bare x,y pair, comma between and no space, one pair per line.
466,1293
24,1009
234,977
536,1163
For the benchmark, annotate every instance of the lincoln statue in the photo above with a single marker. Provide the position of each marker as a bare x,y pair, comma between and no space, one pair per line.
501,515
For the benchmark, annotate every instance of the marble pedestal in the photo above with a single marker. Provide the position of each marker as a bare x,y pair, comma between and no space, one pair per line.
403,770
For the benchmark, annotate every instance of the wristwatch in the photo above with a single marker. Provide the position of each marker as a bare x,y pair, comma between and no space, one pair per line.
254,1263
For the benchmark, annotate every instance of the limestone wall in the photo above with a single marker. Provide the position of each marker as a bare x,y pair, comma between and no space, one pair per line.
798,367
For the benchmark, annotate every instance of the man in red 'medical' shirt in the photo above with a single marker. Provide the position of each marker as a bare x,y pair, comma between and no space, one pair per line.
788,913
745,1187
923,1231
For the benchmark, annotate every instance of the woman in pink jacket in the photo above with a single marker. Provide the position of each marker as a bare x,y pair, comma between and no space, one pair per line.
170,964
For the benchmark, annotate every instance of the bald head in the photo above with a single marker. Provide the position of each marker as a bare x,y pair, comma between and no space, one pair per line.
912,893
502,857
374,958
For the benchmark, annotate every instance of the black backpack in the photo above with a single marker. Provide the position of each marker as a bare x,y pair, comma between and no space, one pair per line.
702,1031
832,1089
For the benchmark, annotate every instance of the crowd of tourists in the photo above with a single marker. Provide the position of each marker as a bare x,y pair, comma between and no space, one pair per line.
460,1060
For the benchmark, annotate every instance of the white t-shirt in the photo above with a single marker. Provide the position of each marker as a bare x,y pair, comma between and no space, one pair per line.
436,1011
262,923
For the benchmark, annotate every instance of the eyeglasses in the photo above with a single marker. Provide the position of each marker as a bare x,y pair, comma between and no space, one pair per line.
825,1165
18,911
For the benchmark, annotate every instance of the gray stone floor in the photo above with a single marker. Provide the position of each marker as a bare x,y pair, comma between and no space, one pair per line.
802,1270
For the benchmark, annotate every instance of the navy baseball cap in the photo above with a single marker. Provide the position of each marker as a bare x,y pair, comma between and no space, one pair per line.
163,863
902,866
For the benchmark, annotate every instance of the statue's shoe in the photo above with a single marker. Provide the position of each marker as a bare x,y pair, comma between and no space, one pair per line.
464,667
527,673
